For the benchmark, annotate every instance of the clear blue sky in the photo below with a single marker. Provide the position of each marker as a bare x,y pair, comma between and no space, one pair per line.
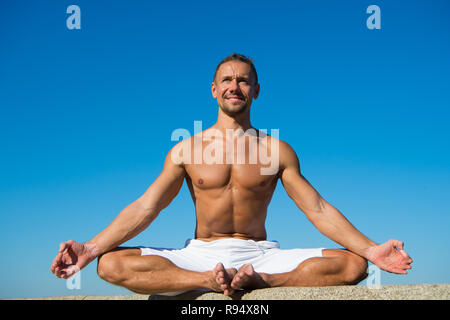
86,118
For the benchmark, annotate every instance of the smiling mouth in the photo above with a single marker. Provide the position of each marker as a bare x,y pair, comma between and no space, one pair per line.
235,98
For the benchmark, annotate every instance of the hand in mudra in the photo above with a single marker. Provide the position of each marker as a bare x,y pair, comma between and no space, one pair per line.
71,258
387,257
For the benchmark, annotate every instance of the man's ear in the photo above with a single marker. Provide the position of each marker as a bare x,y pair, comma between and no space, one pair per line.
256,91
214,90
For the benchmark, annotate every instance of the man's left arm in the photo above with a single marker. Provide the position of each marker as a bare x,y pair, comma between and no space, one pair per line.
332,223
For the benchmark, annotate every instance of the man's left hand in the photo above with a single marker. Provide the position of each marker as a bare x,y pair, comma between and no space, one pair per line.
390,257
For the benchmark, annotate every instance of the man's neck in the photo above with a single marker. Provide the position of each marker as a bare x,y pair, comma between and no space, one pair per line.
240,121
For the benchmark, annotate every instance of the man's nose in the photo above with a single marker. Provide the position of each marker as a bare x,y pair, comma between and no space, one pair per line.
234,85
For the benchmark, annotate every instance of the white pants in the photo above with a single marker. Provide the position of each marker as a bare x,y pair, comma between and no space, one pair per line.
265,256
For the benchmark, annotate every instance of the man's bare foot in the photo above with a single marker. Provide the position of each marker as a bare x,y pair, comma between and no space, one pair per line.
247,278
222,278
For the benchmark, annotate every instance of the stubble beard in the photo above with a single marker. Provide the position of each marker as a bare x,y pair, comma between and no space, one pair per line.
234,111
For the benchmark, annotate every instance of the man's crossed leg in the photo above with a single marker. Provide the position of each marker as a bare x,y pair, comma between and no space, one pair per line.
152,274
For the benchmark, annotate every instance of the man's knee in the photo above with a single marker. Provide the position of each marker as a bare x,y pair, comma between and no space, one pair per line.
110,267
356,269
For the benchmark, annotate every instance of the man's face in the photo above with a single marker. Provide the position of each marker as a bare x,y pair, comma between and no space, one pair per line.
234,87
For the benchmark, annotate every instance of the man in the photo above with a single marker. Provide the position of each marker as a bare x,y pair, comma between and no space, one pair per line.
230,250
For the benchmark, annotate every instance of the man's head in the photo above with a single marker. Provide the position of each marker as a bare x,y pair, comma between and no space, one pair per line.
235,84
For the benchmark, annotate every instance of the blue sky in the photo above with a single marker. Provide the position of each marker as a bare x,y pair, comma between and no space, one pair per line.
86,118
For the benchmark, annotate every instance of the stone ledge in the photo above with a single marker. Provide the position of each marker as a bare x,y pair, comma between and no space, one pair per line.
387,292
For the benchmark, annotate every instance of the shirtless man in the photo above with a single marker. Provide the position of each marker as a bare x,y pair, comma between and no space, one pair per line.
231,200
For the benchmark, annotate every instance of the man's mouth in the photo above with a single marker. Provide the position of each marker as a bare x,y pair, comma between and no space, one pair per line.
235,98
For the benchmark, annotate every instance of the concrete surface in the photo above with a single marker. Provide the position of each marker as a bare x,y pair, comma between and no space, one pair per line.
387,292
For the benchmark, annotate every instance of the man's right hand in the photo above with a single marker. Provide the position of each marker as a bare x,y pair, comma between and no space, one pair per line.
72,257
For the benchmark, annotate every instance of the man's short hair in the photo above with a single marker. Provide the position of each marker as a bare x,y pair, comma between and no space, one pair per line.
241,58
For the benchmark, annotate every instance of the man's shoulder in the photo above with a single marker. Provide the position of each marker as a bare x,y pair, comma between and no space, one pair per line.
287,154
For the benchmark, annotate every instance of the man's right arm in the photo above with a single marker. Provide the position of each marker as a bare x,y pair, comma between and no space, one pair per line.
136,217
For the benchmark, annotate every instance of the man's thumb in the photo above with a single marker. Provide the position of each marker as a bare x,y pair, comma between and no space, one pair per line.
63,246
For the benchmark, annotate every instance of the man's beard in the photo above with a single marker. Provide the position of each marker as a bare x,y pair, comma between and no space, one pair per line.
233,111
